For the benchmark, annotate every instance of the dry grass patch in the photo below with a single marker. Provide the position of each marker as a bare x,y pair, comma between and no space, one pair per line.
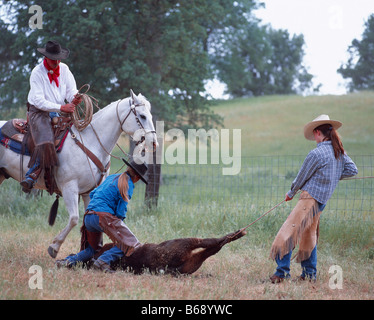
233,273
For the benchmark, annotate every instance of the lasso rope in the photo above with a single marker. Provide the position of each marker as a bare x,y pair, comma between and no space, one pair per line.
88,103
85,108
277,205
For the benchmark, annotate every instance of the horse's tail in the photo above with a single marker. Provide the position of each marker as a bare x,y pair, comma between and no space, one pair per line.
53,212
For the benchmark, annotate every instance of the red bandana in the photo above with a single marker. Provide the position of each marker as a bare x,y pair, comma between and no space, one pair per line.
53,74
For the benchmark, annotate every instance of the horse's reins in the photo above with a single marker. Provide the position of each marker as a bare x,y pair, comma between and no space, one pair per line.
132,110
133,107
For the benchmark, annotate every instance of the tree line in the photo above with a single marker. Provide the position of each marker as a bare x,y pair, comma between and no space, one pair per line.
359,69
166,50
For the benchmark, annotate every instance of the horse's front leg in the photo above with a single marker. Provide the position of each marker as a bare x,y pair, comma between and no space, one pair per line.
70,195
86,199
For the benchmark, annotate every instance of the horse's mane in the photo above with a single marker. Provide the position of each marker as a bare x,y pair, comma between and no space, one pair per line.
140,97
145,101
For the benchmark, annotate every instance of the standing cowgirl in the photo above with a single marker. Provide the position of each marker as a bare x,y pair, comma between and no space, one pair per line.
318,177
105,213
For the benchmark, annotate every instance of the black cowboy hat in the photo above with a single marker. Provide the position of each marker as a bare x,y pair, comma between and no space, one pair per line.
54,51
140,169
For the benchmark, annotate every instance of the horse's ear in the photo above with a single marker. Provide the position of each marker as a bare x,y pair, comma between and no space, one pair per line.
134,97
132,94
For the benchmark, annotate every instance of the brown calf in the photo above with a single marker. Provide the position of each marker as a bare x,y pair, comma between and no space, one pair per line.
177,256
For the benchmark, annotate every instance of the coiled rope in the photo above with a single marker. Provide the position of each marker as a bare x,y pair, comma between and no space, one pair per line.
83,112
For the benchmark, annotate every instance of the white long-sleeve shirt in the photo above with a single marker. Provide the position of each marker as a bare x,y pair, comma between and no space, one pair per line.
47,96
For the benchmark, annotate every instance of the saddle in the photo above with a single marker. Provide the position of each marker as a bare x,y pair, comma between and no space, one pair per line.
15,130
13,135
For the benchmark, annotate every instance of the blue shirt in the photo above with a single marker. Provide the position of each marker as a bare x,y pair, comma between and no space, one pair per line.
107,198
321,172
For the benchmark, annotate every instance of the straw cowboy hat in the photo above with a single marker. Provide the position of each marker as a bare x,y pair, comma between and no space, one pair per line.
140,169
320,120
54,51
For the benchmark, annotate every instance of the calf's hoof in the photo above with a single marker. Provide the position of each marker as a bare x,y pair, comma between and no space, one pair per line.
237,235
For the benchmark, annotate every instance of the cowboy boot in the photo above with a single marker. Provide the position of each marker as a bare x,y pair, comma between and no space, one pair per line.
100,265
30,180
275,279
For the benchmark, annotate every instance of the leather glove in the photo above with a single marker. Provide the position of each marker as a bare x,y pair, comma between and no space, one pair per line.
68,108
77,99
287,198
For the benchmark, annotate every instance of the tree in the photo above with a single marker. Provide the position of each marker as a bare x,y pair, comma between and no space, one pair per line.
154,47
158,48
259,60
360,65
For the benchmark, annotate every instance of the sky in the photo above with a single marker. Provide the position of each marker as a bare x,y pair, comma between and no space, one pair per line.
328,26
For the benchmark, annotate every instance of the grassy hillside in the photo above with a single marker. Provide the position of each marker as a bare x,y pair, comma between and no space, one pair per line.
273,125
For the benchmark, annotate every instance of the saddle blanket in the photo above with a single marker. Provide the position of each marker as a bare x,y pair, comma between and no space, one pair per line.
13,145
16,146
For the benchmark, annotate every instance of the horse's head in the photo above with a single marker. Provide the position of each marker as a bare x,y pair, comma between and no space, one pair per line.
135,117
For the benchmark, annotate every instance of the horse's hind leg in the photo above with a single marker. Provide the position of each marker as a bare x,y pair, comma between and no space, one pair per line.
70,194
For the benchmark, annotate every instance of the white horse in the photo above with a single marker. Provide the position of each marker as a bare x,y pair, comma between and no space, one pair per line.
77,174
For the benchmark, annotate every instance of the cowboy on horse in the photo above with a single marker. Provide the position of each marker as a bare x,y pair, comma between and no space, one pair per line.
51,85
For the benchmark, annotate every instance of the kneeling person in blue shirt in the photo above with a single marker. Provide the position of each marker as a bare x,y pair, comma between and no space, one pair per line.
105,213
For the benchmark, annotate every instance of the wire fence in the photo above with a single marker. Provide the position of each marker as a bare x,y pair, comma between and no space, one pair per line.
261,183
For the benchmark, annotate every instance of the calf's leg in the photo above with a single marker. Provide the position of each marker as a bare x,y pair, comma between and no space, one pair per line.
208,247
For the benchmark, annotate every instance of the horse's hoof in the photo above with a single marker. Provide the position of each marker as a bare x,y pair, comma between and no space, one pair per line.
52,252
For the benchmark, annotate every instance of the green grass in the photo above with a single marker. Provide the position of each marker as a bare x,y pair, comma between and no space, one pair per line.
238,271
197,201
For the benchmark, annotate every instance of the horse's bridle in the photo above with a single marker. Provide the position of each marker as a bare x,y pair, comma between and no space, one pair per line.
133,107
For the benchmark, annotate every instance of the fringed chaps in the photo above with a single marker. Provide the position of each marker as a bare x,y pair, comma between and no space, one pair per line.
301,227
115,229
43,139
94,239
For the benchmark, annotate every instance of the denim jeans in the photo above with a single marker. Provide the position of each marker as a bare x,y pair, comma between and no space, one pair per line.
309,266
53,114
31,170
91,221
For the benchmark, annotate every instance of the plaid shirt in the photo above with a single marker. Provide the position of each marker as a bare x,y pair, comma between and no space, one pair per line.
321,172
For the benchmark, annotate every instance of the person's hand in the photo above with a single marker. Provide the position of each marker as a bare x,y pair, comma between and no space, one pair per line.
77,99
68,108
287,198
